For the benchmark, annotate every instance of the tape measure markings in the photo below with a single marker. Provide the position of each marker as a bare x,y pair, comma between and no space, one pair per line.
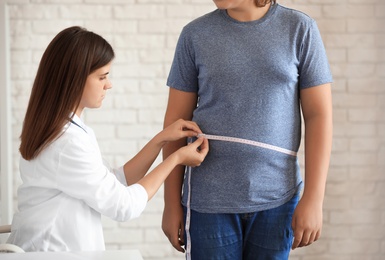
249,142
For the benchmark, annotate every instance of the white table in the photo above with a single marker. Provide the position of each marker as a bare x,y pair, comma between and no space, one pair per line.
94,255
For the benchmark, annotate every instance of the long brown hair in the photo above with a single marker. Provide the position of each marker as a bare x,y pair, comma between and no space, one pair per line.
262,3
71,56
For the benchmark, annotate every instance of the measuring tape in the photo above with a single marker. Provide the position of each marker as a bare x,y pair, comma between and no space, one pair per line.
249,142
225,139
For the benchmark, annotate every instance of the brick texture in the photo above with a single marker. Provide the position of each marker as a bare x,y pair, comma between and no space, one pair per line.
144,35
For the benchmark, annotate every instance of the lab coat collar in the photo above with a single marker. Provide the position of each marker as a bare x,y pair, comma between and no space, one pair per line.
77,121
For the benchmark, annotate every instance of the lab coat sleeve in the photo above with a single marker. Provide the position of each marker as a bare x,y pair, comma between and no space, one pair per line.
119,174
82,175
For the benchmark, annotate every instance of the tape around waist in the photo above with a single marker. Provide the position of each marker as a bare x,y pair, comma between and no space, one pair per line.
249,142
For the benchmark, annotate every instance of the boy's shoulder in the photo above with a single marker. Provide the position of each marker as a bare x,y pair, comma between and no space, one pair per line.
279,12
216,19
204,20
292,14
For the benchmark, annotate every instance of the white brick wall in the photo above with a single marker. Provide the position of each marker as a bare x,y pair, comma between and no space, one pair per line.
144,34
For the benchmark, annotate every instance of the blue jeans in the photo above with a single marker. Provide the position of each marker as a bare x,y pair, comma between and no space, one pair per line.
262,235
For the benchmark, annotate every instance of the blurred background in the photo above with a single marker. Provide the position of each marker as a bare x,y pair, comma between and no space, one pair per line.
144,34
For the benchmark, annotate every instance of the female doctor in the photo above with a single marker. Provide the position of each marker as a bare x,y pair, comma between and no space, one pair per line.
66,187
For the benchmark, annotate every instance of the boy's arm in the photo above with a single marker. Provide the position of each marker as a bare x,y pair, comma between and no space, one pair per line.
316,105
180,105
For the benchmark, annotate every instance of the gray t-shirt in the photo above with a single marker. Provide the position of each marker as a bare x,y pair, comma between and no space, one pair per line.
248,76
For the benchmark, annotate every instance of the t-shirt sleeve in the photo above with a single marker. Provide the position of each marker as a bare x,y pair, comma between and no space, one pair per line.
314,69
183,73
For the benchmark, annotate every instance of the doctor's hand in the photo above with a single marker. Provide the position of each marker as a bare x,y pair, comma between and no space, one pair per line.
194,153
179,129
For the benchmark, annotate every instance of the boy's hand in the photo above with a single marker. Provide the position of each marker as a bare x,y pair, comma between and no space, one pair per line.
306,223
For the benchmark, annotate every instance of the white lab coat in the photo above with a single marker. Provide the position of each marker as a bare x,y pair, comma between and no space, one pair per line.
64,192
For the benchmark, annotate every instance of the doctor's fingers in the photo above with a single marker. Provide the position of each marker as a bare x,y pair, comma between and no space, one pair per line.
185,125
201,146
178,130
191,125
